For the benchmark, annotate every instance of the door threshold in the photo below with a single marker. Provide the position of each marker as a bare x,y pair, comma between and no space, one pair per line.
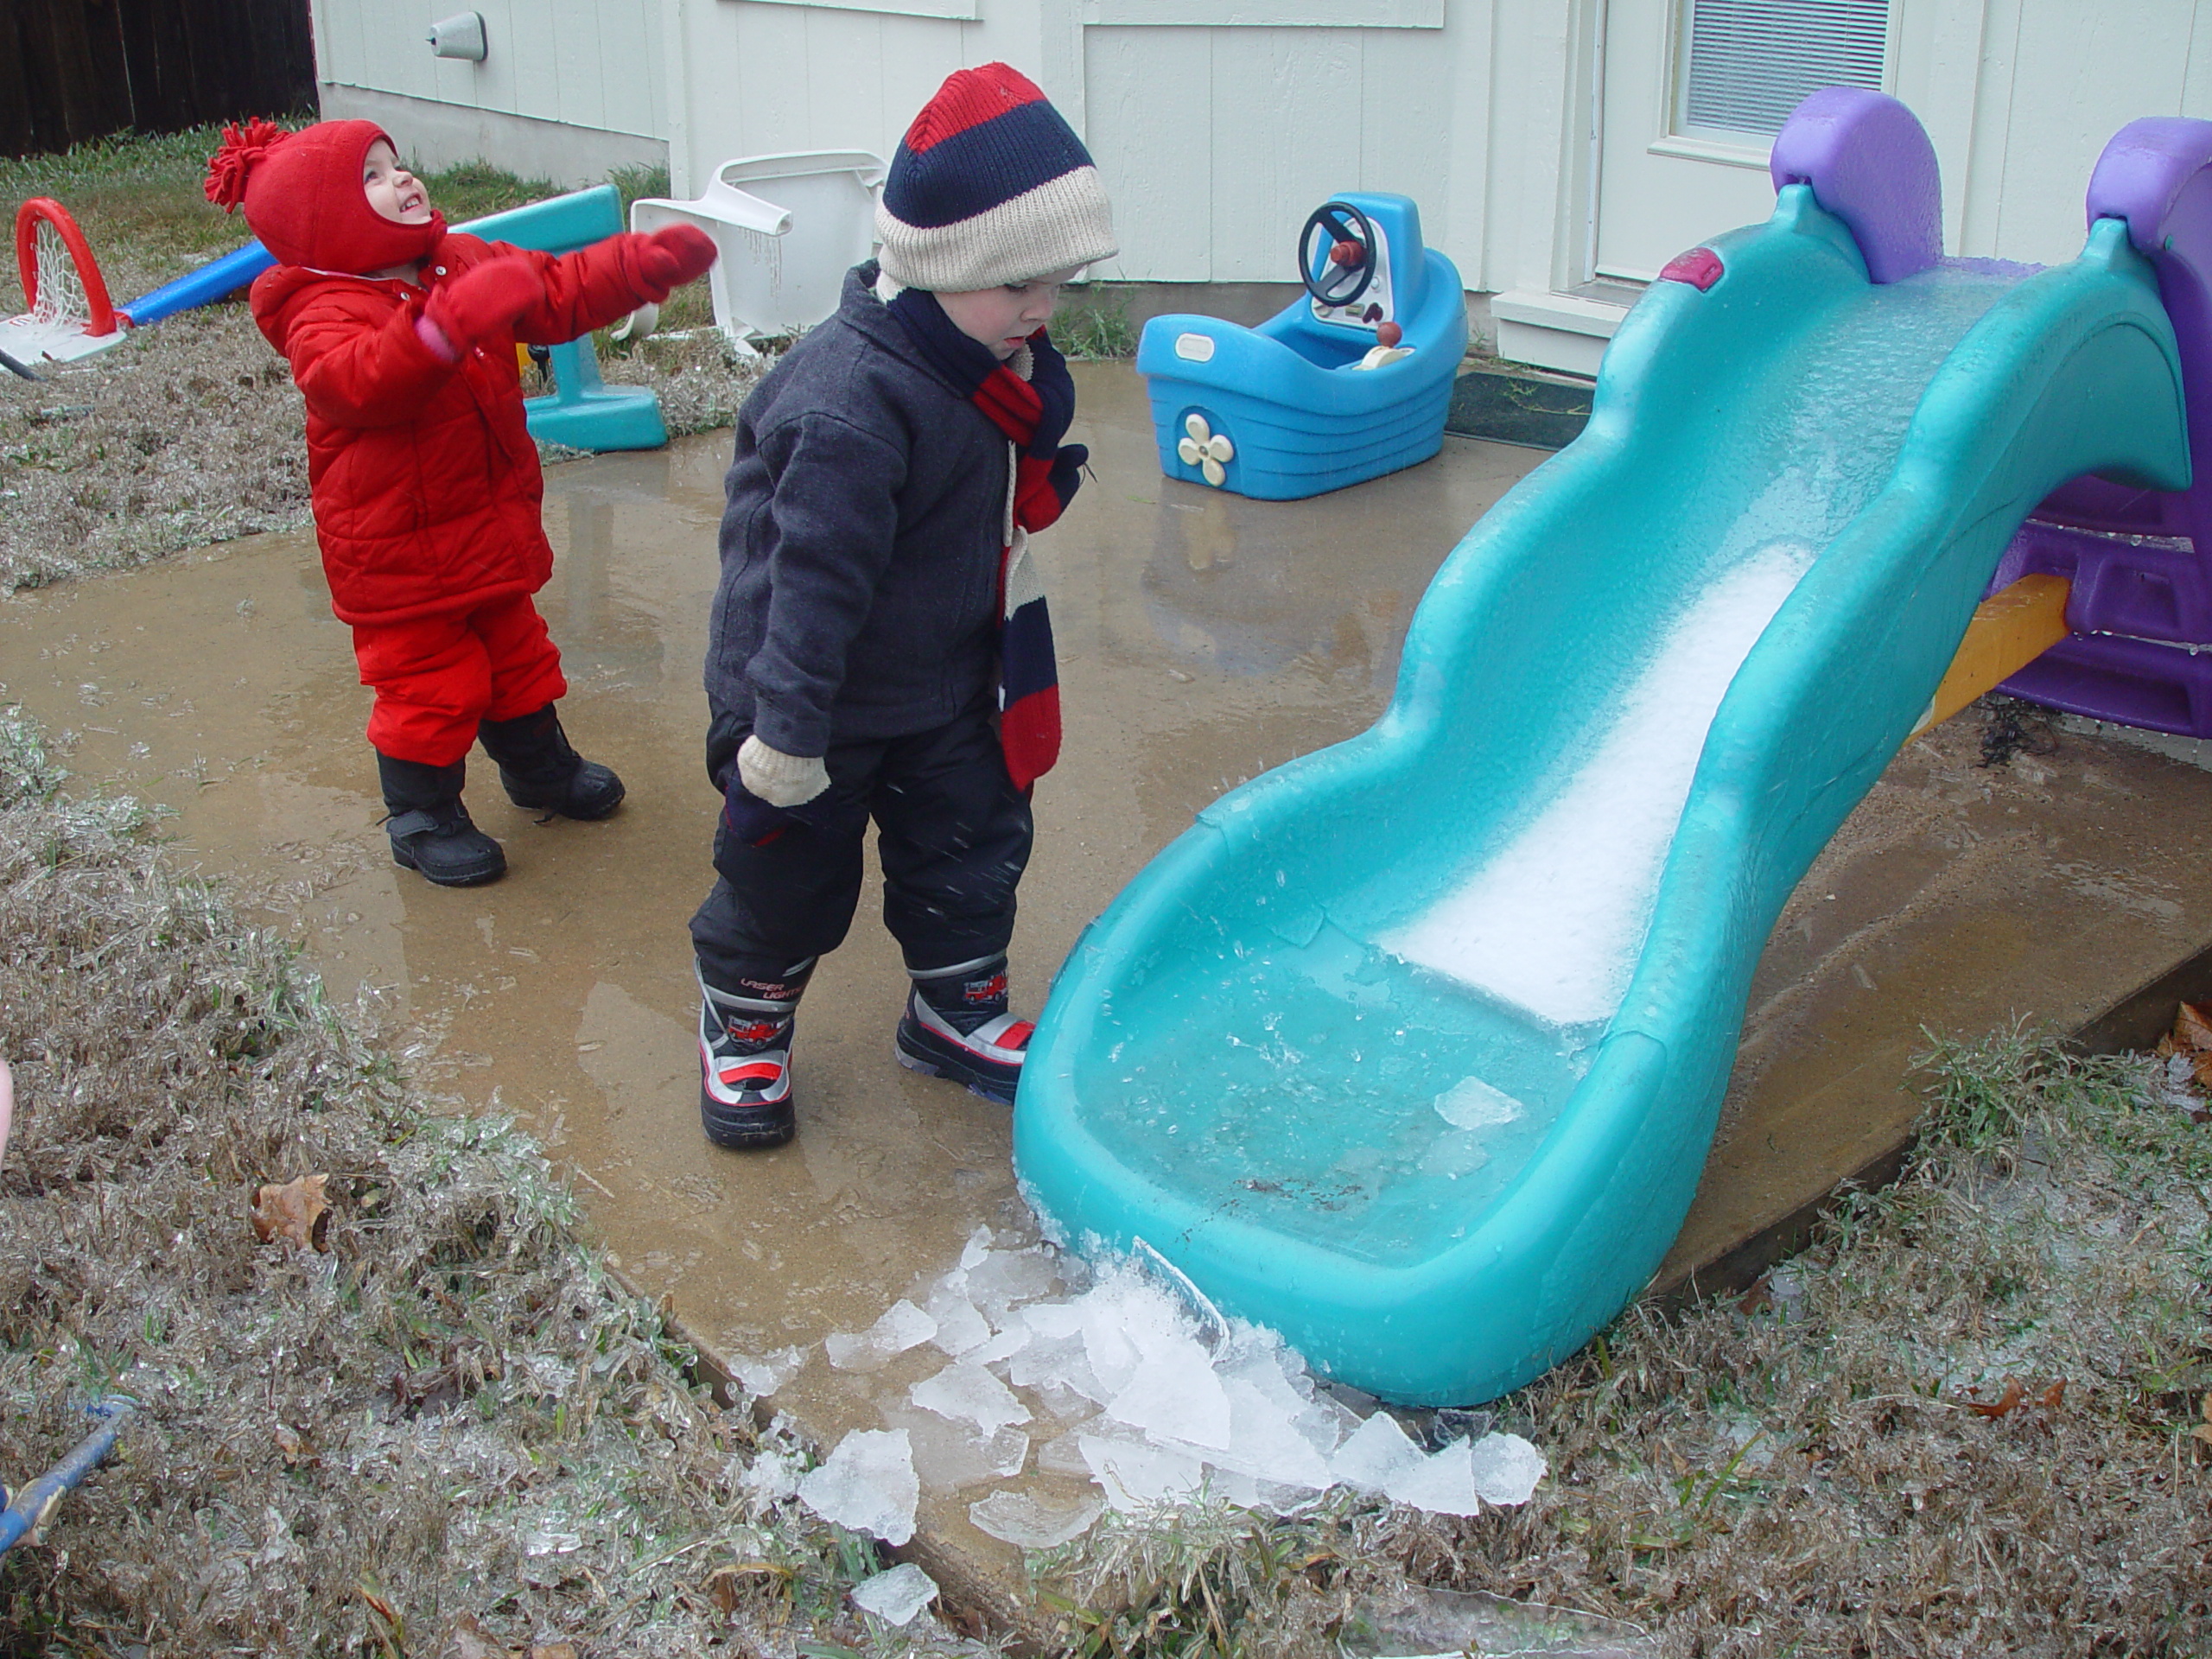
1610,290
1565,332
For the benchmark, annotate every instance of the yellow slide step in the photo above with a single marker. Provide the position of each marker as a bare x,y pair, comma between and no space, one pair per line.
2009,630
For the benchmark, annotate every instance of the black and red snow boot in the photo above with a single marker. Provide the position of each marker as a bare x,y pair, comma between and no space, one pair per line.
542,773
956,1026
745,1060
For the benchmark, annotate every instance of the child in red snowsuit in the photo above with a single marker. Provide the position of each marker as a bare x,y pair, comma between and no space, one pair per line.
425,482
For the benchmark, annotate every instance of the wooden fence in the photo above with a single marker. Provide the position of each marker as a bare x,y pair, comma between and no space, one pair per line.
71,70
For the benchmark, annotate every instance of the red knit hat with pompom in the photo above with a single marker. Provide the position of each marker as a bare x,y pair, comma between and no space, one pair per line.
302,196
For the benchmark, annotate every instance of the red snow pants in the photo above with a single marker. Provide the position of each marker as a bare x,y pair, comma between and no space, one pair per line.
436,677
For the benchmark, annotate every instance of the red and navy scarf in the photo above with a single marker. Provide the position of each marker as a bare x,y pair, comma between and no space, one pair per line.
1035,414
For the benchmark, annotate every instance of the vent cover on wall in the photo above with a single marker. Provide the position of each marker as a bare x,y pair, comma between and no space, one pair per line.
1744,65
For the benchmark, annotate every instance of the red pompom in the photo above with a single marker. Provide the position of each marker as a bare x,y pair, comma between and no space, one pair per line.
227,166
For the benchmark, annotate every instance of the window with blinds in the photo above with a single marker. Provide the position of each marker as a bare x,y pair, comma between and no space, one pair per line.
1744,65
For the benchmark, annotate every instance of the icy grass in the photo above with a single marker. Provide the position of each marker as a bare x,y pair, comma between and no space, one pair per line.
1803,1471
191,432
453,1414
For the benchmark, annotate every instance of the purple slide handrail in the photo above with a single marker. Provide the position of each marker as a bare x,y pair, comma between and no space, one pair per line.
1869,164
2153,176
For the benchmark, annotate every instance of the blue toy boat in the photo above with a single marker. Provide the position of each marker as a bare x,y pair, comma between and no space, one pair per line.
1350,382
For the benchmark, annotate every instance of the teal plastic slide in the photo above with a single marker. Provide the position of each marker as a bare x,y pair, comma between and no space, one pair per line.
1414,1048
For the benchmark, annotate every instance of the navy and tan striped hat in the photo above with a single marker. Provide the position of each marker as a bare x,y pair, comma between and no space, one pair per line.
990,185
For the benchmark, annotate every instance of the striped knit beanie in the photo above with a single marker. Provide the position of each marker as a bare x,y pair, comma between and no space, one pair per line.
990,186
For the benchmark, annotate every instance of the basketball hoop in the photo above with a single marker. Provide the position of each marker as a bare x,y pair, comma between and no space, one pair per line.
70,315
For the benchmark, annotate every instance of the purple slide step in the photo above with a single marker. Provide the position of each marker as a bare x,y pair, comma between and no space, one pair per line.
2130,682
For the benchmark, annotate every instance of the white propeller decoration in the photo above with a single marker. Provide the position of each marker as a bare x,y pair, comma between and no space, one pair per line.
1208,451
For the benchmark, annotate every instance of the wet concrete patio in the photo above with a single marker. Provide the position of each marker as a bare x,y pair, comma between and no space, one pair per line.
1203,639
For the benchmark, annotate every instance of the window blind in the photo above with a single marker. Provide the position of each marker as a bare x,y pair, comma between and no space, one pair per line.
1746,64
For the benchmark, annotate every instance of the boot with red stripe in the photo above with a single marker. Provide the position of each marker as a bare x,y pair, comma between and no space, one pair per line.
956,1026
745,1060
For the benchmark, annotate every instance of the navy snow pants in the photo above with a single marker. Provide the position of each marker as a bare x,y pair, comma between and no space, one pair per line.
953,836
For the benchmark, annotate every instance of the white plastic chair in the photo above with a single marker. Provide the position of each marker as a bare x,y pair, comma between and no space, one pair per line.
790,227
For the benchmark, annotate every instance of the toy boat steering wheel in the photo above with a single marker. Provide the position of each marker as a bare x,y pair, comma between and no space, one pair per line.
1338,271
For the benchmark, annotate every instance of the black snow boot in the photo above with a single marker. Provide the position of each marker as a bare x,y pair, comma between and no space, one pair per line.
429,828
745,1060
956,1026
542,772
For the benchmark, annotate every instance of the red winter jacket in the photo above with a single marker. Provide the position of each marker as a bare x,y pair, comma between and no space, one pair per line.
425,482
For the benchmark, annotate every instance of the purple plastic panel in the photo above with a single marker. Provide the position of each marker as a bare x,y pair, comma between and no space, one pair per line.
2132,682
2152,588
1871,164
2093,503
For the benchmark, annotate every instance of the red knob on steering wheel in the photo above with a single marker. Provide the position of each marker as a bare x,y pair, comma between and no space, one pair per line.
1336,253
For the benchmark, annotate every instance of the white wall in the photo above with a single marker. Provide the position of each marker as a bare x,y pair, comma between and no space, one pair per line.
585,63
760,78
1215,139
2057,78
1219,132
568,88
1219,142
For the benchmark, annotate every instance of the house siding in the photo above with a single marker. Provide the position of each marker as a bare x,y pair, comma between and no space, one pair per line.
1217,137
596,65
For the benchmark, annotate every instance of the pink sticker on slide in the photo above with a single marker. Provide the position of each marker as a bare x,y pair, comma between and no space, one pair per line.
1701,268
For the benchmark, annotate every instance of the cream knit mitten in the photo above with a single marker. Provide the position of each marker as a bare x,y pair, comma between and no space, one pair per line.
780,779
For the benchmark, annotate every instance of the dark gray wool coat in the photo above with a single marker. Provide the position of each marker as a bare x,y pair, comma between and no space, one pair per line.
862,542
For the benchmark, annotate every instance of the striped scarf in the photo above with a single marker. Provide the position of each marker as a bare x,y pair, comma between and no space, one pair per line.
1032,403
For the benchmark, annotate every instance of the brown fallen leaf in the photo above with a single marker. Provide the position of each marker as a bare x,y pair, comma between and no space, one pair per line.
2054,1396
552,1651
295,1212
297,1452
728,1584
470,1640
2203,1430
2004,1403
2192,1029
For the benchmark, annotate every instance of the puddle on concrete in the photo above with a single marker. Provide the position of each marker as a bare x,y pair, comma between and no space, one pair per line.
1203,639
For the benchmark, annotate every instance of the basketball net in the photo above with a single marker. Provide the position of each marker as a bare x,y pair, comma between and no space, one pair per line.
56,328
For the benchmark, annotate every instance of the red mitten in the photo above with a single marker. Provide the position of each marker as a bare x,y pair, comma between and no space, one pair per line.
673,256
483,305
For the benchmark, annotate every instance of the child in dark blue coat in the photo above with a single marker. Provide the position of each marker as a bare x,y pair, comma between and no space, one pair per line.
879,648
